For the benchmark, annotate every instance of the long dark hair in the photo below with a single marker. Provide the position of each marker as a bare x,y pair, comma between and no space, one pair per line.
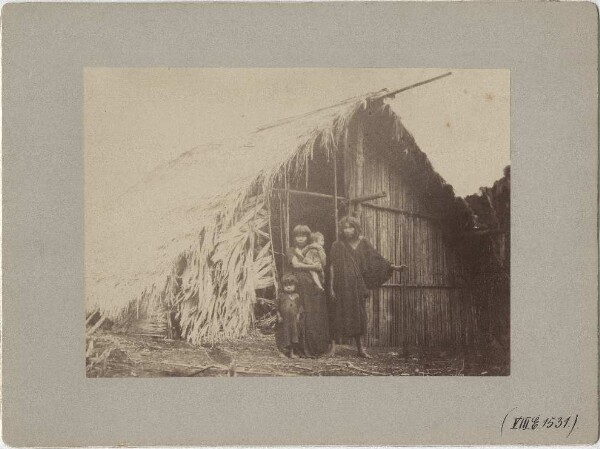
352,221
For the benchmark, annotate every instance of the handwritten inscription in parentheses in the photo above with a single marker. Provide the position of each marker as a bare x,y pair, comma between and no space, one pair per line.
516,422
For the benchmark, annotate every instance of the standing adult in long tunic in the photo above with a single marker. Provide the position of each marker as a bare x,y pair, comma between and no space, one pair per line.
356,267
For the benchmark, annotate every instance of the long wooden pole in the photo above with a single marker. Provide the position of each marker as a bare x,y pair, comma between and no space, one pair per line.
402,211
335,196
311,194
412,86
350,100
287,208
360,175
374,196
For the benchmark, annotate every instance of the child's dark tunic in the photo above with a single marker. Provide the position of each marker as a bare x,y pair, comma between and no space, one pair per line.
288,306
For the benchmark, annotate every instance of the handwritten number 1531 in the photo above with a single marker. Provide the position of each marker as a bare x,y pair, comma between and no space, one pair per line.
536,422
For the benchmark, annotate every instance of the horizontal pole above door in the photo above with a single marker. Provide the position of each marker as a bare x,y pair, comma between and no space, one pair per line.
402,211
311,194
421,286
359,199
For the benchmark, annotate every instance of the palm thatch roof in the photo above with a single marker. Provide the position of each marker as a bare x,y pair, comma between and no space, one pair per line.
194,236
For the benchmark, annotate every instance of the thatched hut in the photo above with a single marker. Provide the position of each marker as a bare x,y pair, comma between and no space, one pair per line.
200,240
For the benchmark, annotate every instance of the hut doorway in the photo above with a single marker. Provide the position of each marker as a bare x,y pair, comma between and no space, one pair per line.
317,213
309,198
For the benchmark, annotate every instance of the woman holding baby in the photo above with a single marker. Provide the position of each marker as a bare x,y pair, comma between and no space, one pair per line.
305,259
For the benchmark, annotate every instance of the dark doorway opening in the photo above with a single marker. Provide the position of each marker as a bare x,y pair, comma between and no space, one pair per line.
307,198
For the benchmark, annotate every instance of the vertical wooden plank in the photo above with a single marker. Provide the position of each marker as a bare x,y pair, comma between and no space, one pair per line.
413,318
377,318
306,173
445,278
335,194
440,255
444,304
424,257
369,336
433,319
423,317
350,167
453,317
383,321
391,248
282,231
434,329
425,305
427,253
409,238
401,295
419,250
287,208
391,218
438,321
403,330
382,316
397,322
360,161
405,318
391,322
410,316
386,185
429,331
441,298
419,298
430,253
392,308
395,325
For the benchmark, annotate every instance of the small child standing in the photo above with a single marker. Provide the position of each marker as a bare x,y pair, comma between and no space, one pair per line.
289,309
314,254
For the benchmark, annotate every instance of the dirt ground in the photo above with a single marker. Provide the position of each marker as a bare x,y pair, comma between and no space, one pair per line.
121,355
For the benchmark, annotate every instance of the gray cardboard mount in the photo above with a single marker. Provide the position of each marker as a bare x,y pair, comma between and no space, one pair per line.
551,51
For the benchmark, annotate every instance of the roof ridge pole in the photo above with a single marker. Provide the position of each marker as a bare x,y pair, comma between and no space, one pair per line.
412,86
349,100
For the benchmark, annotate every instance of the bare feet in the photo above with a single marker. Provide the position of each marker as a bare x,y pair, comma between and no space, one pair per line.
331,351
363,355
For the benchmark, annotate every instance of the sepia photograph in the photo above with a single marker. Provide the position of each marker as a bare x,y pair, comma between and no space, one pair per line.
380,218
297,222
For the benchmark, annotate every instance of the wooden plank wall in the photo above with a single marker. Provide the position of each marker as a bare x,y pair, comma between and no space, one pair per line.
429,309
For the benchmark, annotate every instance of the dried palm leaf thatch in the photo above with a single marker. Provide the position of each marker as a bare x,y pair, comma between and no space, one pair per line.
193,238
